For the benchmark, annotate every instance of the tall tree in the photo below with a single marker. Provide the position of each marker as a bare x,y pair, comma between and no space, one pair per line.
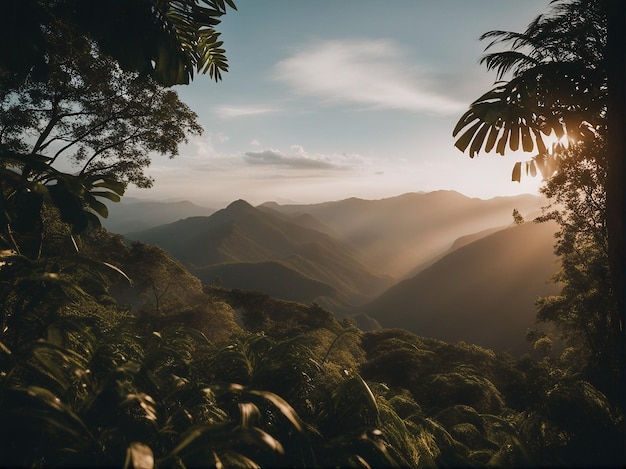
584,310
567,78
89,117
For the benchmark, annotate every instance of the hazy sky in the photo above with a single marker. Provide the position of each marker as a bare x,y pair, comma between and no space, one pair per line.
329,99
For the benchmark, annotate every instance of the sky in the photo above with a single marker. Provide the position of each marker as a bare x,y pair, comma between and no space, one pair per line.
330,99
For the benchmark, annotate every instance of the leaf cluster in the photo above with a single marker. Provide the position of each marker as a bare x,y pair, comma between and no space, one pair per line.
557,87
168,40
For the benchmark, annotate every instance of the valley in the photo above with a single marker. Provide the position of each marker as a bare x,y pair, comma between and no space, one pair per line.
438,264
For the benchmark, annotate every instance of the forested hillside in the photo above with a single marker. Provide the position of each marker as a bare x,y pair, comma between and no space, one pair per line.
164,371
483,293
290,254
244,247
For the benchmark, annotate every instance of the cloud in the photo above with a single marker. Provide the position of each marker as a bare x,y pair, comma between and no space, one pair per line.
276,158
373,73
205,144
228,112
255,142
298,158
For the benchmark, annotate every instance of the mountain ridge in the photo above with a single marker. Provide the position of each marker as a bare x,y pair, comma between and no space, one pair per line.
241,234
395,235
482,292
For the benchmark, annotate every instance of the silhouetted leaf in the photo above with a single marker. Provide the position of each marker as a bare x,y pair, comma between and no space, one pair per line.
517,172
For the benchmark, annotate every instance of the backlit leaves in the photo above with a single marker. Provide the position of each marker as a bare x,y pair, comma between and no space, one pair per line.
557,87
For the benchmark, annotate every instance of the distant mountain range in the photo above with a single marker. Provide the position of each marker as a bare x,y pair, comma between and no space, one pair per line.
136,214
395,235
469,274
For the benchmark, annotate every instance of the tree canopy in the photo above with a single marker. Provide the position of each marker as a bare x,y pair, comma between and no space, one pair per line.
169,40
80,135
97,370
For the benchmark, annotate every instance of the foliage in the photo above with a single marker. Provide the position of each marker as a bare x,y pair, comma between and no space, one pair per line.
564,77
585,310
567,80
278,318
90,392
518,219
558,85
168,40
93,114
89,115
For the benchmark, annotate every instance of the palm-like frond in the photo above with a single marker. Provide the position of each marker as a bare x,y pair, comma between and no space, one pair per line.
558,84
168,39
544,99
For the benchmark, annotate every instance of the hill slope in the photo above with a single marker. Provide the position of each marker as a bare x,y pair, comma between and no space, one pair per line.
247,239
480,293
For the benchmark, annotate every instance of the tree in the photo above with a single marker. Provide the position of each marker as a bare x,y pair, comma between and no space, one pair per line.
88,115
163,284
147,44
584,310
563,67
166,39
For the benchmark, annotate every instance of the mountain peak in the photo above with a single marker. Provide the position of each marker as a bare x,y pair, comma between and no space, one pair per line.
239,204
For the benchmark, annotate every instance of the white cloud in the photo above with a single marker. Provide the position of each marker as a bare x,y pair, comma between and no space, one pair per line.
298,158
255,143
294,161
227,112
373,73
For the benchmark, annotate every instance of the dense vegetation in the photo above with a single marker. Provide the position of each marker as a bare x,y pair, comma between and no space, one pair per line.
99,372
115,355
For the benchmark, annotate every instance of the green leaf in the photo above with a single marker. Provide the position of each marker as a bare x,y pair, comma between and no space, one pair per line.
465,119
541,147
111,184
527,140
282,405
514,136
99,208
107,195
500,148
4,348
491,139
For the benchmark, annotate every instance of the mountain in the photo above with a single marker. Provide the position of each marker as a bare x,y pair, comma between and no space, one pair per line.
138,215
245,243
459,242
481,293
396,234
